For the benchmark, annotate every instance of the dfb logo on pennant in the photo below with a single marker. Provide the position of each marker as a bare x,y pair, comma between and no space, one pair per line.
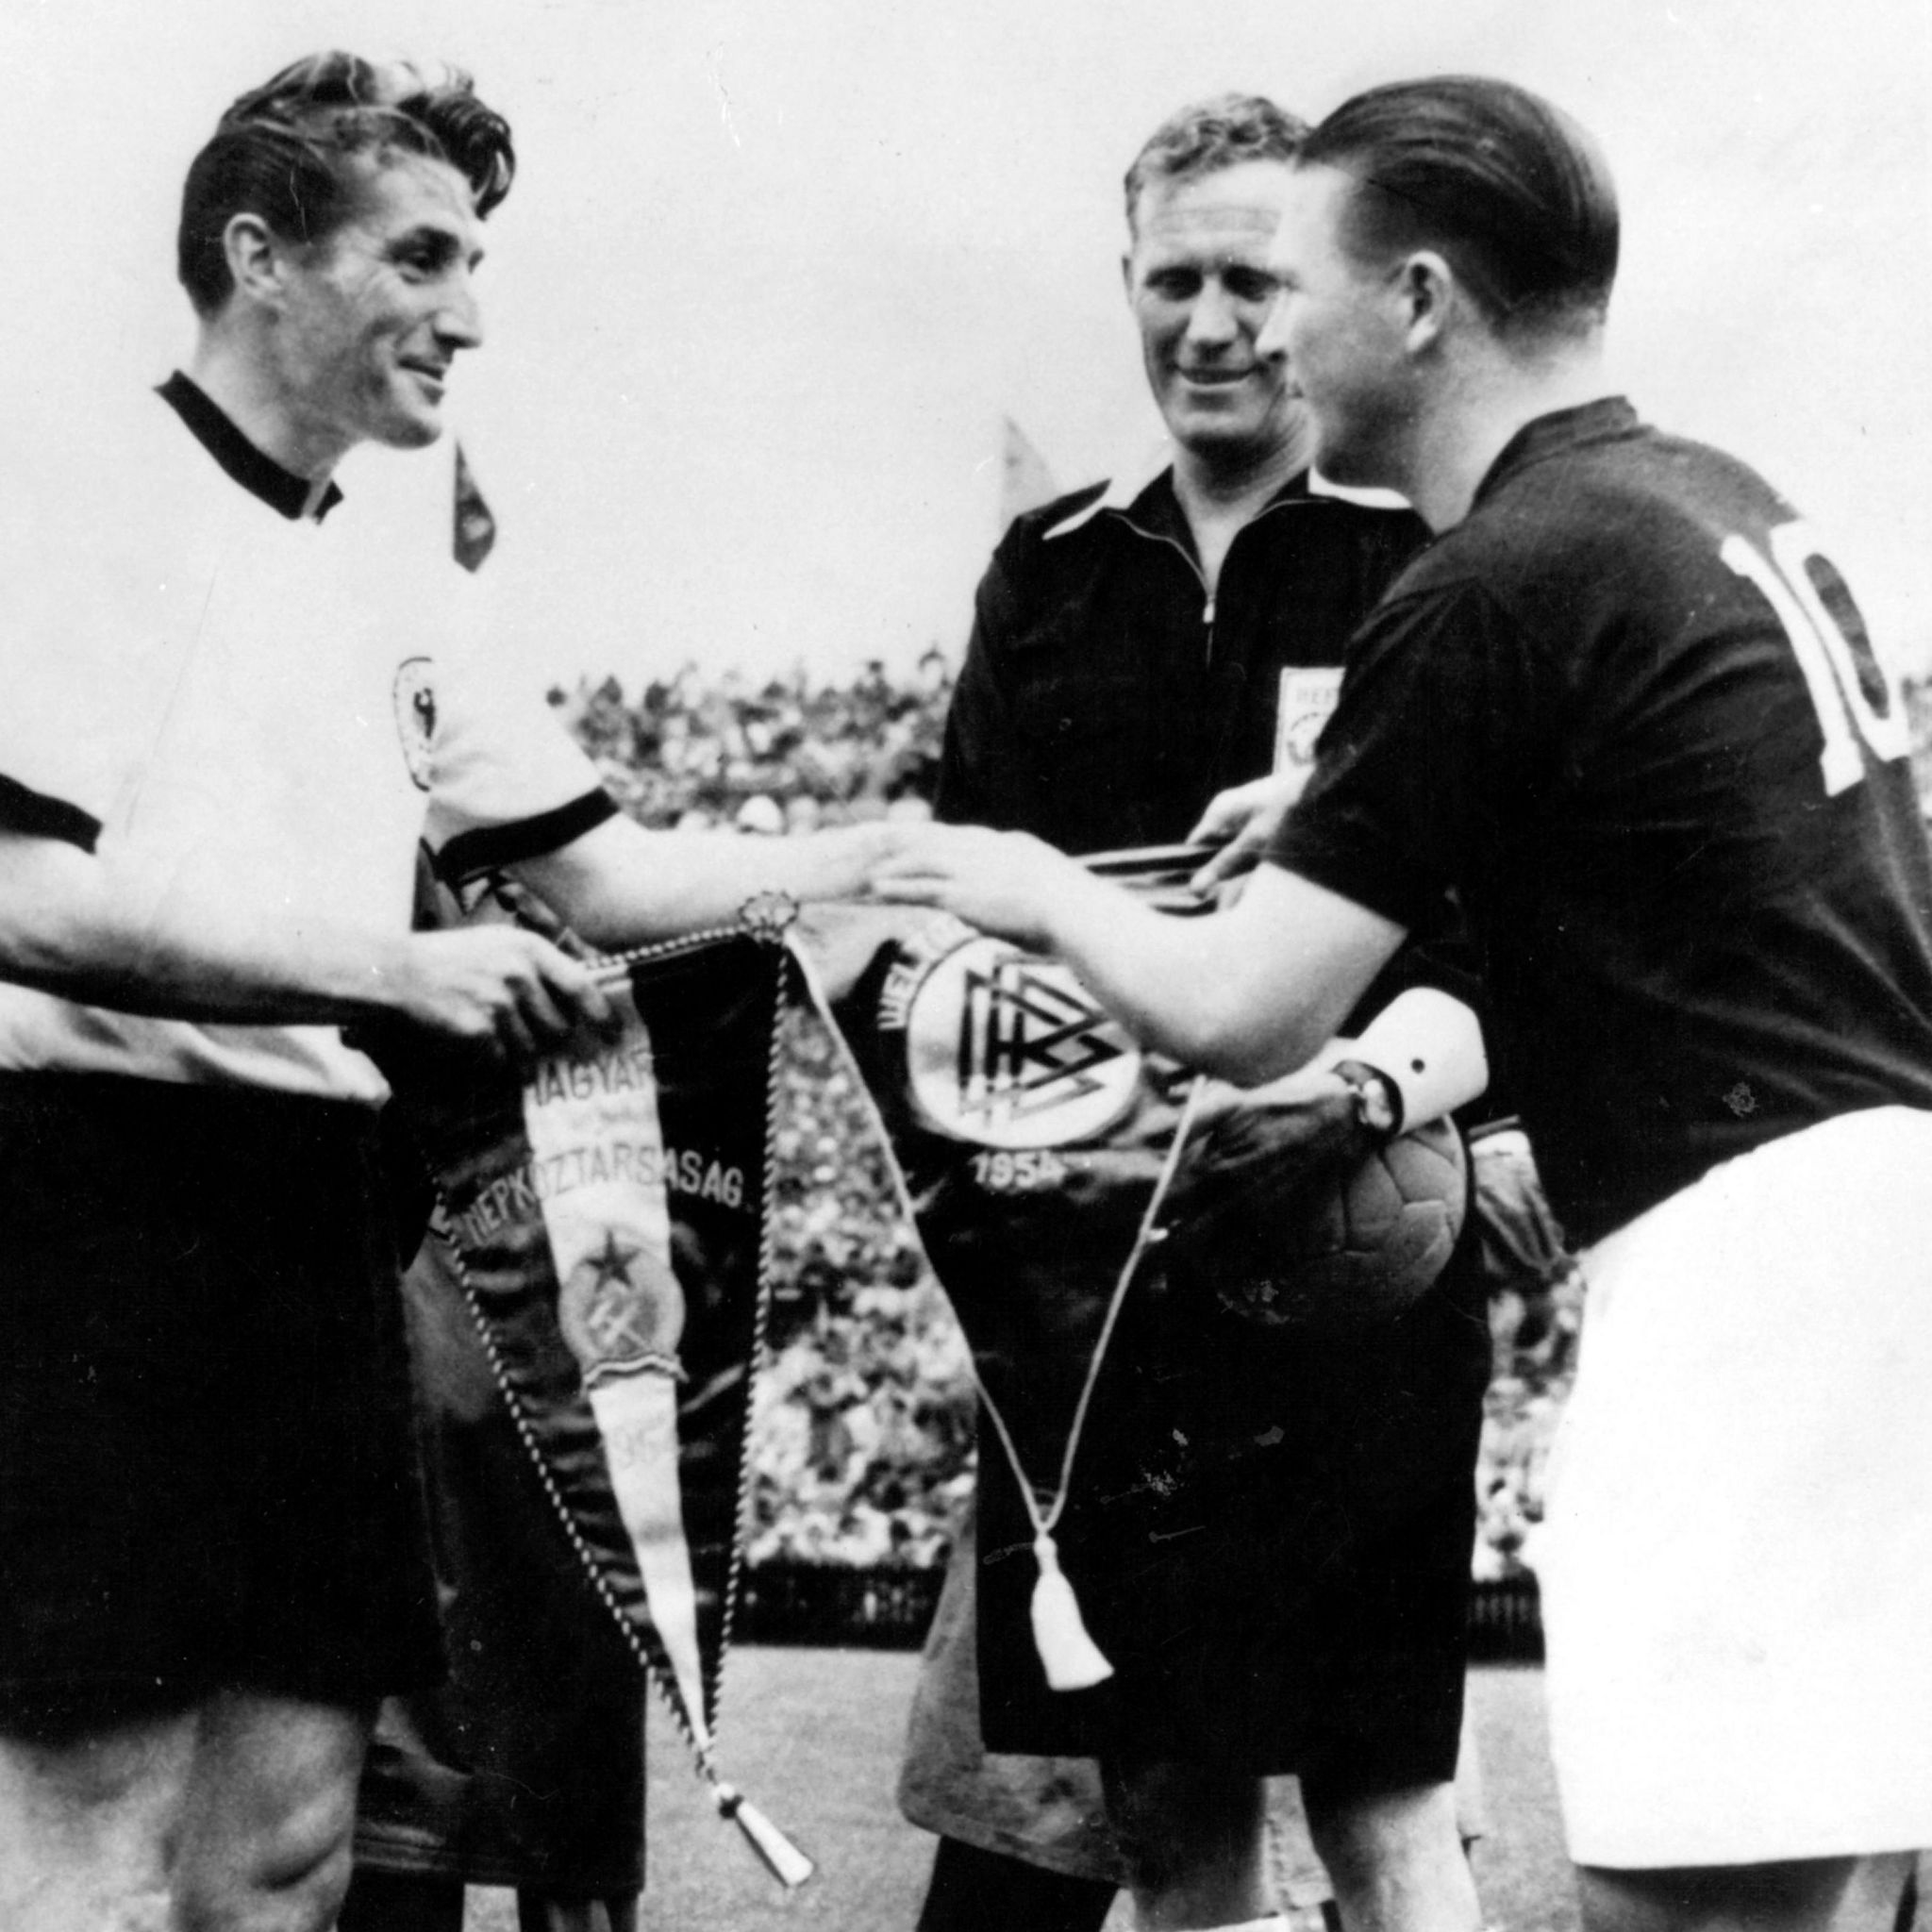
1007,1049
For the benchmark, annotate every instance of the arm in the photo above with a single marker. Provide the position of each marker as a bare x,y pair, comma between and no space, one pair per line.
1421,1025
1248,994
618,885
119,929
1242,821
978,770
973,716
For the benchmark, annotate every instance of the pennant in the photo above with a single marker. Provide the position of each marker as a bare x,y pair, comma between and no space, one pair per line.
1083,1232
475,534
1028,1128
1035,1143
609,1210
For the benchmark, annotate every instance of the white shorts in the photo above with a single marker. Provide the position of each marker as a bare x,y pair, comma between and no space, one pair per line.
1737,1562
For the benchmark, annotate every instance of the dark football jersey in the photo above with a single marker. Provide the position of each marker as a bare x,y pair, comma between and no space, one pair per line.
1629,710
1106,697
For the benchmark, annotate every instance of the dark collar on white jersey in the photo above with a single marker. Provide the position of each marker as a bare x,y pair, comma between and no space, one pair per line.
260,475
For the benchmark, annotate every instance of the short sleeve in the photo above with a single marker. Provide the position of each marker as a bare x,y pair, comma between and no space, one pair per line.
507,782
95,650
979,772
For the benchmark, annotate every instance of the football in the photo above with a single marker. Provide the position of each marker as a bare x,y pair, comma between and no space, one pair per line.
1326,1235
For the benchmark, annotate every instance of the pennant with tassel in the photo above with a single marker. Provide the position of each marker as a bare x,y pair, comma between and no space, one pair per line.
609,1209
473,533
780,1856
1034,1145
1072,1659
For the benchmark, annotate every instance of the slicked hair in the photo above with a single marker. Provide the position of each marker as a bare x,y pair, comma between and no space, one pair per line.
288,152
1512,193
1211,135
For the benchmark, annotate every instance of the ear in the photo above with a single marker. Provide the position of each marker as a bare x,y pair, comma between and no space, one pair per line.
256,259
1426,285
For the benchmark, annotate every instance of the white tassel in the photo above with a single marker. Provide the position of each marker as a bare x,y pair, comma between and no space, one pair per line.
1072,1658
782,1859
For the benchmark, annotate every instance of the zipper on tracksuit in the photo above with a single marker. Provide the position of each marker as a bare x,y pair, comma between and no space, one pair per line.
1208,598
1187,557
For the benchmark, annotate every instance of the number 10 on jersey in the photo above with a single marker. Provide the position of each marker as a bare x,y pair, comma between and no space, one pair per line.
1853,692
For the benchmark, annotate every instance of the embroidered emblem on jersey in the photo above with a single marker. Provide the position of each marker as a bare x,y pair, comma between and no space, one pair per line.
1003,1048
415,704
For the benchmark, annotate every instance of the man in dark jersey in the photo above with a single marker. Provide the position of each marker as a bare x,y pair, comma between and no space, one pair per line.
1626,707
1133,644
1137,647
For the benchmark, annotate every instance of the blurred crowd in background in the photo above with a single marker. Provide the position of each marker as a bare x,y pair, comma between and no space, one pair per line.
786,755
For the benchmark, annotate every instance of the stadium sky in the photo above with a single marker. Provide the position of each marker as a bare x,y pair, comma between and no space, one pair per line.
775,271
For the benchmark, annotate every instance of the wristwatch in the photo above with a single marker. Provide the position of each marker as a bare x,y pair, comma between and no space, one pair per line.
1377,1098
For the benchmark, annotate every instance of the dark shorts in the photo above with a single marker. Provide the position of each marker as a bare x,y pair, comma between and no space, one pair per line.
205,1476
1269,1536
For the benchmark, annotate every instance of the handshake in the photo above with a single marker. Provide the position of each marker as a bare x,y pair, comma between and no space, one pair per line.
515,992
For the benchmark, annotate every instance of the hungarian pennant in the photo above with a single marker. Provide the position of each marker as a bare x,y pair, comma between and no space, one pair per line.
609,1210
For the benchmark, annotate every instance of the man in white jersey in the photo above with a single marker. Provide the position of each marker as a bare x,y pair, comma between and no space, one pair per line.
250,692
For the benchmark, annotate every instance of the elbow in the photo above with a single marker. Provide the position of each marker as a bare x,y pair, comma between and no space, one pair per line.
1245,1048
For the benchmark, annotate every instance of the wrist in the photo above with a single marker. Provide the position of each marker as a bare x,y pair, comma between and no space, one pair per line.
386,982
815,866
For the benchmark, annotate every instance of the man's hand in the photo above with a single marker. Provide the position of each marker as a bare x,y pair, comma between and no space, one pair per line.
495,985
1310,1113
1006,883
1242,821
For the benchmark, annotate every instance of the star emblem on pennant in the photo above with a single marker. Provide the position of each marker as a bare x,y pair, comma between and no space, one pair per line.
612,1262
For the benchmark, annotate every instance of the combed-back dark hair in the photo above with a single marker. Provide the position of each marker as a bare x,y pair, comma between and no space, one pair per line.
284,152
1508,189
1210,135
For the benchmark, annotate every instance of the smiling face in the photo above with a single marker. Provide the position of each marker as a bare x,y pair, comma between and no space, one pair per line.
1340,324
373,314
1200,285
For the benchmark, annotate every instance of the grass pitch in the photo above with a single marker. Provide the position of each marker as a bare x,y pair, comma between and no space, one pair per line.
814,1736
